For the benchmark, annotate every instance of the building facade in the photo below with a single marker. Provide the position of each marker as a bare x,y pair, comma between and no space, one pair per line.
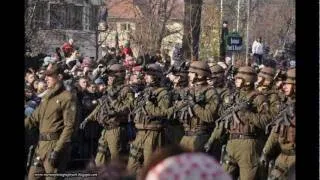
50,23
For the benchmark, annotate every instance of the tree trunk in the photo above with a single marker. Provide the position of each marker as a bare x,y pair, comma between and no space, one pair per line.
97,44
191,28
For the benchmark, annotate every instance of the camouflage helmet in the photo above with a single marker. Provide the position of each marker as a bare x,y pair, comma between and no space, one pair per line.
291,76
247,73
153,69
116,70
267,73
217,71
201,68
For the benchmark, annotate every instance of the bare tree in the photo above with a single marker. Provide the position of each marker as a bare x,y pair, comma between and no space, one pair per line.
191,32
152,25
210,29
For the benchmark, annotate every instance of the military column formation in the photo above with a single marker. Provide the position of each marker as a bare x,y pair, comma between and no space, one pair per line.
240,125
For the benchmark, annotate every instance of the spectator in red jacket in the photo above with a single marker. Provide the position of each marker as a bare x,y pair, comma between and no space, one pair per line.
126,51
68,48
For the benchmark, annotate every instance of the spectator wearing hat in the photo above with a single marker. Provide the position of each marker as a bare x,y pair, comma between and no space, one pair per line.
68,48
101,86
195,166
47,61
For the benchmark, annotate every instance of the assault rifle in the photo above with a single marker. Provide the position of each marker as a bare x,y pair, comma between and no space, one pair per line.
30,156
228,114
283,117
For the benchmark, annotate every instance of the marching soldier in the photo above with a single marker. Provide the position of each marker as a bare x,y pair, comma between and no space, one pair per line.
264,84
112,113
150,118
198,113
283,133
137,84
243,121
218,82
179,77
55,117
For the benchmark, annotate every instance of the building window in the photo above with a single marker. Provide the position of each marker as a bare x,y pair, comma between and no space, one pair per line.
125,27
57,16
66,16
74,17
40,14
94,19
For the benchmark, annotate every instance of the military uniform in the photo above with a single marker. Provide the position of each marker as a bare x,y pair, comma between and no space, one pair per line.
217,139
283,134
112,113
150,118
267,74
55,117
178,93
246,124
175,130
200,111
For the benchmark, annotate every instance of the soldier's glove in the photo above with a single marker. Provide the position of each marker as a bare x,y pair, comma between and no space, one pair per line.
53,158
263,160
83,124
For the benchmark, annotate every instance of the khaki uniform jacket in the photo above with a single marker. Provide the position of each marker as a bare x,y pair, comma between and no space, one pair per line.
56,113
285,140
121,106
157,110
204,113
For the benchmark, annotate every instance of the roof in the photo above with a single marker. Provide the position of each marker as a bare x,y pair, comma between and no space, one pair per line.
123,9
131,9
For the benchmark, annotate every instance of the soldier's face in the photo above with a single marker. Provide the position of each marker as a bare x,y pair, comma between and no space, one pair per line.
238,82
210,82
111,80
51,81
288,89
148,79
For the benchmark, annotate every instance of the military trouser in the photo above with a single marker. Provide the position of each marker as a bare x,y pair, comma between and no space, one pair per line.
174,133
242,154
194,142
110,144
282,165
41,164
146,142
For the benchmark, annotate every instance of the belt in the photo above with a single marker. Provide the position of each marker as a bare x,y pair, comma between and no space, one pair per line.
289,152
242,136
114,126
280,169
154,127
196,133
49,136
